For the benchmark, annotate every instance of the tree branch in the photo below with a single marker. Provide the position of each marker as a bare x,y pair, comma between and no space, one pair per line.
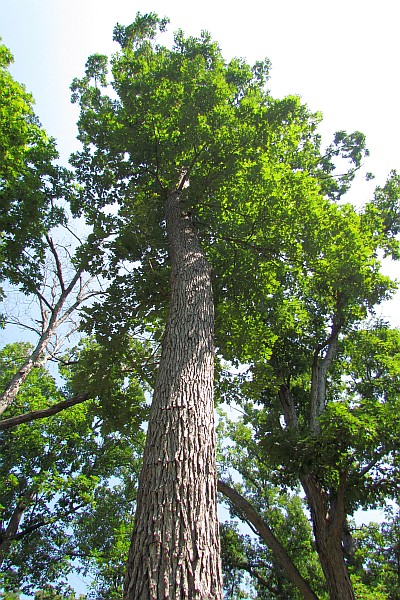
42,413
57,261
248,514
289,409
44,522
245,566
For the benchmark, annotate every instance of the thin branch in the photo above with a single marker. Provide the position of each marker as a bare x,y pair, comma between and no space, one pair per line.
245,566
73,234
44,522
18,323
35,291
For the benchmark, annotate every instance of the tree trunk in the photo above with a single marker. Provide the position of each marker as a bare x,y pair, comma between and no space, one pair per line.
328,517
327,505
174,551
334,568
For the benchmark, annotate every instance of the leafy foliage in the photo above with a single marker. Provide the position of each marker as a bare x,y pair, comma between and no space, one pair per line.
31,185
59,474
375,566
111,374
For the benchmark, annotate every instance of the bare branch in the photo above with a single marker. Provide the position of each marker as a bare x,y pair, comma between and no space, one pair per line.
36,292
37,358
73,234
12,321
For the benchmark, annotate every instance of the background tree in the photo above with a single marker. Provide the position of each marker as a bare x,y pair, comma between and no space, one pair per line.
47,266
31,184
58,474
328,431
244,554
43,262
54,304
280,556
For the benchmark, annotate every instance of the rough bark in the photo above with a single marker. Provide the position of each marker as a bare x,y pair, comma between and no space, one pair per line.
42,413
266,534
174,551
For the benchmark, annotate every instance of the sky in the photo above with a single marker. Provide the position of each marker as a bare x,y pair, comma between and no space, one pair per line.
341,57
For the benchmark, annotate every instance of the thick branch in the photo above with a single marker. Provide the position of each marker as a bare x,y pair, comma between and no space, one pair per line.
245,509
289,409
42,413
319,376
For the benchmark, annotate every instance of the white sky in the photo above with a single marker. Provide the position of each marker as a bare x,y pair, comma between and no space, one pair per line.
341,57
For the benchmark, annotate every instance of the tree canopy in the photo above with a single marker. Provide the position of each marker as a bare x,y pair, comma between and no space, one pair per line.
190,174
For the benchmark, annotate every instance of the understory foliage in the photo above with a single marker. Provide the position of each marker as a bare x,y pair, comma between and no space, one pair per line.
302,357
376,562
